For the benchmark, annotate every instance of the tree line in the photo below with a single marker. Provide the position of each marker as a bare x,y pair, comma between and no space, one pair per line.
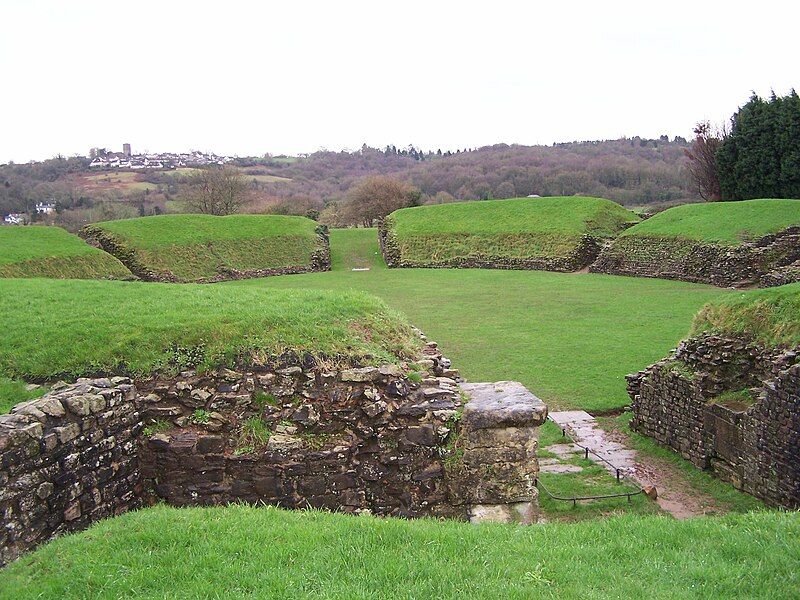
757,156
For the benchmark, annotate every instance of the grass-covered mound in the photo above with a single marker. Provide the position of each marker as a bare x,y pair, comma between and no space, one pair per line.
51,328
771,316
185,248
246,552
53,252
726,223
724,243
558,233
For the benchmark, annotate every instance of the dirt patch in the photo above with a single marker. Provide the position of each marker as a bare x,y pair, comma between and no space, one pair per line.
675,494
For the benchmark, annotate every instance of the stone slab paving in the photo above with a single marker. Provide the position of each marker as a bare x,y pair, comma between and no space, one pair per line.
584,429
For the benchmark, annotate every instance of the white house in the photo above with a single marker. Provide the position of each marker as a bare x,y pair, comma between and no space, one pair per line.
14,219
45,208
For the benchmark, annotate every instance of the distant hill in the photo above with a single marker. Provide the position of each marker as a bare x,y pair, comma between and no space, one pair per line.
633,172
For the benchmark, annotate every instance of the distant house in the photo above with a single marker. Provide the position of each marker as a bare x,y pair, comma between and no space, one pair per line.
15,219
45,208
534,196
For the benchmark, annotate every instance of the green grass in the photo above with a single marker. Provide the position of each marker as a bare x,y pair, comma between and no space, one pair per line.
515,228
727,223
51,328
725,496
193,247
570,338
40,251
247,552
13,392
151,233
125,181
769,316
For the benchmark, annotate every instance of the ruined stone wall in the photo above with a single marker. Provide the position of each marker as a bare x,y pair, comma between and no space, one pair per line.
767,261
584,253
66,460
750,439
371,438
294,432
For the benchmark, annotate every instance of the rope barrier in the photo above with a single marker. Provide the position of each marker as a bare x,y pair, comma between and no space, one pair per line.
620,476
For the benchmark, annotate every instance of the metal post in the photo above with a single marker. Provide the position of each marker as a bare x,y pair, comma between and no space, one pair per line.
617,475
586,453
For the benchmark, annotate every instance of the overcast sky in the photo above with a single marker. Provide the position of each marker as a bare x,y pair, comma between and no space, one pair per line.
290,77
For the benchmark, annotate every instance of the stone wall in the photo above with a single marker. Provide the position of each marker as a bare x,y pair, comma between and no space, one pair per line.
296,435
584,253
767,261
751,437
295,432
66,460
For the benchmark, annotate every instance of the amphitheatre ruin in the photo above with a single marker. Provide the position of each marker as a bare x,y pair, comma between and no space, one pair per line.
528,361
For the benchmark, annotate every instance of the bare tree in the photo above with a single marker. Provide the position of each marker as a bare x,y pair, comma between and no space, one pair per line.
377,196
217,191
702,157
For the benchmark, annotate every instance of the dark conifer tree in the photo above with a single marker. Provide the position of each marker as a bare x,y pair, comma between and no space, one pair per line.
761,156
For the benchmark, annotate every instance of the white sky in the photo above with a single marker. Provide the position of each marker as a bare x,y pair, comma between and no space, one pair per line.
294,76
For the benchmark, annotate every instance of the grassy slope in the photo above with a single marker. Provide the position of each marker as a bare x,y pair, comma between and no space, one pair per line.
727,223
520,227
770,316
570,338
53,252
49,327
249,552
196,246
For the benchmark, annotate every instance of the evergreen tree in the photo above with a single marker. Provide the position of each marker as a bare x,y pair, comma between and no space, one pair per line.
761,156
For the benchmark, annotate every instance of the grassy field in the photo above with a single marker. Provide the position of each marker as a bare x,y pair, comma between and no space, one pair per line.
246,552
570,338
51,328
124,181
194,247
186,171
516,228
40,251
727,223
770,316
